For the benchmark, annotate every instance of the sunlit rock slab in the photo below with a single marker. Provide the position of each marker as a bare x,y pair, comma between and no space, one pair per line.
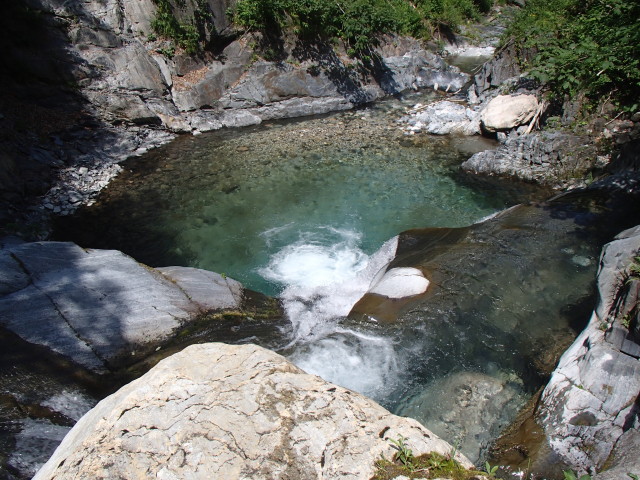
236,411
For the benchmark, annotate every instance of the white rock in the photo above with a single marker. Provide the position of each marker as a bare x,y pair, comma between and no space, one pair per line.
589,401
401,282
442,118
222,411
505,112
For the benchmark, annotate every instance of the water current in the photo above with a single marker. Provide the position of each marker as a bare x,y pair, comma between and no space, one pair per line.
310,211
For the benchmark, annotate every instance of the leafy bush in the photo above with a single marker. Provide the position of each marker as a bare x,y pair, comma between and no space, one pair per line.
357,22
583,46
189,36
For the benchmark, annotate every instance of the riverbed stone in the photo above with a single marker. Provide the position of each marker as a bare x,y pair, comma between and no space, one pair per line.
476,405
505,112
442,118
237,411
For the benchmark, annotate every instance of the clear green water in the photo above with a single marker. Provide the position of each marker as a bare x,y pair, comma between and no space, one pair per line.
298,209
229,201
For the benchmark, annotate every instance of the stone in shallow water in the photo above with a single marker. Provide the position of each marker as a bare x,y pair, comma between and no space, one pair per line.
34,444
401,282
479,406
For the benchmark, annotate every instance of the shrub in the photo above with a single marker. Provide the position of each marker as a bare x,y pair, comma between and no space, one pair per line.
357,22
583,46
189,36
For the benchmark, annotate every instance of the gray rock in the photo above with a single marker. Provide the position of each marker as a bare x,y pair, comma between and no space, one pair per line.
496,71
238,412
208,290
12,277
442,118
207,87
126,107
548,158
100,307
296,107
625,458
135,70
591,398
34,444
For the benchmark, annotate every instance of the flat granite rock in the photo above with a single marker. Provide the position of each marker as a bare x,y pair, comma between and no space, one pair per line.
98,306
222,411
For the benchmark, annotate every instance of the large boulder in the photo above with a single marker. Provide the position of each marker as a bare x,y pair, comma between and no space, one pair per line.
221,411
546,158
99,307
591,400
505,112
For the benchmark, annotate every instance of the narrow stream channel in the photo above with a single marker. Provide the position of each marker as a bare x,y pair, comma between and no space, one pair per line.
310,211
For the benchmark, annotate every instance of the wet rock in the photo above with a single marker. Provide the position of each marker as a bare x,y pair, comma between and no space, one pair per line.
475,405
215,409
34,444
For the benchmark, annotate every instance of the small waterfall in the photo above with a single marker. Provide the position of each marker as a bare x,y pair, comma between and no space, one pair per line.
324,273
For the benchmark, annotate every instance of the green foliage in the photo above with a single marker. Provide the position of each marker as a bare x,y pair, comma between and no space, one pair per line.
189,36
357,22
431,465
634,268
491,471
588,46
404,455
570,475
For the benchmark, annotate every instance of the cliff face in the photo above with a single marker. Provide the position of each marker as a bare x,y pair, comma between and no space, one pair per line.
95,84
590,408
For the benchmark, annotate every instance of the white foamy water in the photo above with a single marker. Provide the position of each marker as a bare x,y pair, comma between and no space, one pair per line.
325,274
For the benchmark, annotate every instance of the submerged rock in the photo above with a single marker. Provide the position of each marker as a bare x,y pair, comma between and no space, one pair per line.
470,407
237,412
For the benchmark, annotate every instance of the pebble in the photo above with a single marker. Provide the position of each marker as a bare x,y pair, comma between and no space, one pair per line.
581,261
79,185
